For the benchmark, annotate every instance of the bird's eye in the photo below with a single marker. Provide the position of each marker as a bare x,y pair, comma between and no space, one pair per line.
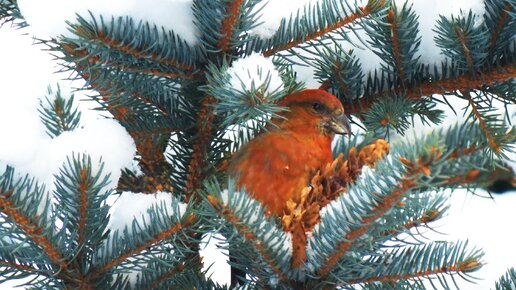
316,106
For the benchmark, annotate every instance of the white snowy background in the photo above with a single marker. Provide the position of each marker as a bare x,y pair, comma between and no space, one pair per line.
26,70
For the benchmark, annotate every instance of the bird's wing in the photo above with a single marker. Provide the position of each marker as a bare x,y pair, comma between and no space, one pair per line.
272,168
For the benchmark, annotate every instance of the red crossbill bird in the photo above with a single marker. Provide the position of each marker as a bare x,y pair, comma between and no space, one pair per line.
275,166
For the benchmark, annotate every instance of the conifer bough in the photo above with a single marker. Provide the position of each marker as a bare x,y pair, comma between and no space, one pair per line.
357,226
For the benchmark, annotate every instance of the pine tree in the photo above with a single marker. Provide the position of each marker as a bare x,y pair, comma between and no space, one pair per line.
177,103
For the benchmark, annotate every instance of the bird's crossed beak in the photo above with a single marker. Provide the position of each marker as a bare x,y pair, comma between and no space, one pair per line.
339,124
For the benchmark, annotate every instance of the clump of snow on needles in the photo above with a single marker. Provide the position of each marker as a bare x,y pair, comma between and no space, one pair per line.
48,17
255,70
103,139
25,145
130,205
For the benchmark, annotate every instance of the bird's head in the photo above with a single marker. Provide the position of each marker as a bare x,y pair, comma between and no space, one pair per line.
314,111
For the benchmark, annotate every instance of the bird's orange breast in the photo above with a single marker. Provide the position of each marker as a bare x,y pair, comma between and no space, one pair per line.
277,165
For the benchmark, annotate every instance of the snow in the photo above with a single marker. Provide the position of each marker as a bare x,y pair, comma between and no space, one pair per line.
19,102
104,140
255,70
173,15
215,258
25,144
130,205
486,223
225,196
428,12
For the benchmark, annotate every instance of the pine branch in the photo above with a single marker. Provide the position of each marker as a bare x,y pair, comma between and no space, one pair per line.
390,201
469,178
443,86
59,115
33,231
430,260
83,209
429,216
112,37
371,7
97,61
483,124
224,27
95,73
166,276
365,223
204,129
82,68
508,281
391,18
500,25
179,276
463,41
228,25
339,72
149,146
10,12
258,244
504,18
80,194
395,38
159,238
251,106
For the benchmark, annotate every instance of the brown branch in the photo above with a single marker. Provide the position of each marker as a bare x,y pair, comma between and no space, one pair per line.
228,25
467,54
503,20
83,205
197,164
60,115
360,13
169,274
466,151
246,233
483,125
464,267
96,60
155,240
115,45
462,83
469,177
391,18
35,232
426,218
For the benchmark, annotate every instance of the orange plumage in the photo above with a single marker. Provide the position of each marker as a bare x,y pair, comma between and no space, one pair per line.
275,166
